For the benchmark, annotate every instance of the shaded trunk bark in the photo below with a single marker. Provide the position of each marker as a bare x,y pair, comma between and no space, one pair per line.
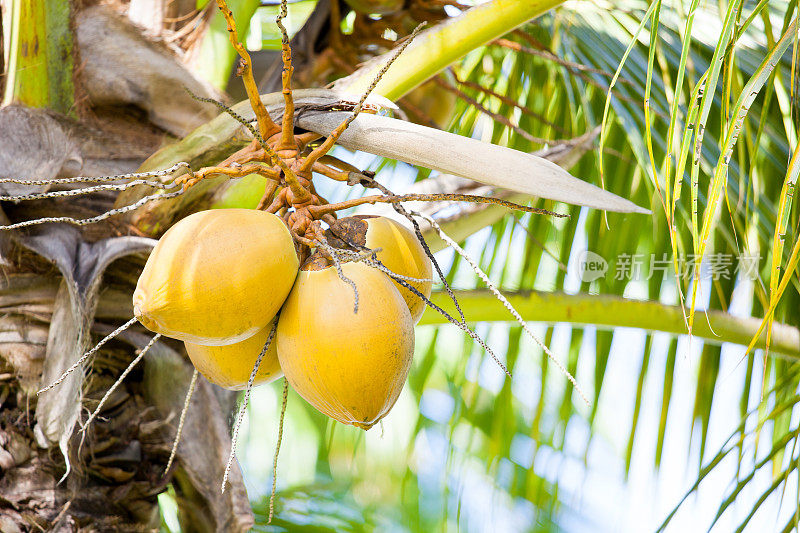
63,289
118,472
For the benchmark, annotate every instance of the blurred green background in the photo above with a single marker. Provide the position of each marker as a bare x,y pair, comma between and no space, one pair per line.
465,448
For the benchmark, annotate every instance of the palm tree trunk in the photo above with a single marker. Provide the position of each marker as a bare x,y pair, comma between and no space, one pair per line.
63,289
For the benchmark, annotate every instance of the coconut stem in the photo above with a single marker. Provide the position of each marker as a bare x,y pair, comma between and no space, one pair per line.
233,172
453,244
317,211
287,129
243,406
326,146
88,354
117,383
265,124
259,138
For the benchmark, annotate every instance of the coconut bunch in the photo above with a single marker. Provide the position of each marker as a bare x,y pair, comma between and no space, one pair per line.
229,284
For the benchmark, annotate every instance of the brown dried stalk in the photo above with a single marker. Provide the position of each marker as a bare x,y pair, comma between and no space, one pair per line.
265,124
319,210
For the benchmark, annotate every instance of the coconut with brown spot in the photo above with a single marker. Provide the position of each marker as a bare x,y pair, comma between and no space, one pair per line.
397,247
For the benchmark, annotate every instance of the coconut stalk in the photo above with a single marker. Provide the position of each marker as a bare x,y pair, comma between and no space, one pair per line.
450,40
483,162
215,55
37,49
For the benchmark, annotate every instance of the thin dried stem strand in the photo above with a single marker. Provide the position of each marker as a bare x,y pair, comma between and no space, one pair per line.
424,118
363,255
399,208
576,68
88,354
237,117
571,65
237,172
98,218
277,450
88,190
380,266
245,401
181,421
460,325
319,210
100,179
328,143
369,257
376,263
300,193
421,239
117,383
265,124
287,129
334,255
505,303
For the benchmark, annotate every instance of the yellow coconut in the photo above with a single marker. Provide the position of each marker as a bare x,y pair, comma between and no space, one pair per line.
217,277
401,253
351,367
230,366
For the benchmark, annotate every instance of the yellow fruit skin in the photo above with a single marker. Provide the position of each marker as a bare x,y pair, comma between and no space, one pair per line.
230,366
217,277
351,367
403,254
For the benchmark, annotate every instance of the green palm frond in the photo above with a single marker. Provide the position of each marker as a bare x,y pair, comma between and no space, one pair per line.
634,166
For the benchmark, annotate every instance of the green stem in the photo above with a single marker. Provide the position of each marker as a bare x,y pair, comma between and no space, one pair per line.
459,228
38,50
607,312
435,49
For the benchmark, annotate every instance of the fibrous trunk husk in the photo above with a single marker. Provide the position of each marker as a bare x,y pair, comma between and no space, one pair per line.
61,290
